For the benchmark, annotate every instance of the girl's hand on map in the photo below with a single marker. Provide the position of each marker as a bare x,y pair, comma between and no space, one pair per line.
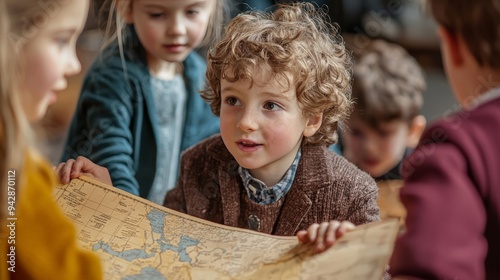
324,235
82,166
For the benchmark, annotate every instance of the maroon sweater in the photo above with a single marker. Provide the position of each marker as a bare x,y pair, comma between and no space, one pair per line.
326,187
452,194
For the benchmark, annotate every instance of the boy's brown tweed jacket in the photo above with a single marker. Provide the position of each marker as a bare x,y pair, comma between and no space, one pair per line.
326,187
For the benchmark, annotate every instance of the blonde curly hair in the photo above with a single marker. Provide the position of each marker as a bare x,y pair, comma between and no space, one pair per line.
296,39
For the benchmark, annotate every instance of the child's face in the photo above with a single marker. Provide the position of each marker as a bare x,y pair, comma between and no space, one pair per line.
262,125
50,56
170,29
376,151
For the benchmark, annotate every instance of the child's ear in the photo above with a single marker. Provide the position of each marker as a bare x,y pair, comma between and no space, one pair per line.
451,46
417,127
124,9
313,124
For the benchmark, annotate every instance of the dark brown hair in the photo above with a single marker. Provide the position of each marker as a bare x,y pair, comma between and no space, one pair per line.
478,22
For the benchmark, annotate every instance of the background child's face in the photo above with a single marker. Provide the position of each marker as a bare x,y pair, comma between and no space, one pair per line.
376,151
262,125
170,29
50,56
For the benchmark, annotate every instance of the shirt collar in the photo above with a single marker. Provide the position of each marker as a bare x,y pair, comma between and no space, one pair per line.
257,190
487,96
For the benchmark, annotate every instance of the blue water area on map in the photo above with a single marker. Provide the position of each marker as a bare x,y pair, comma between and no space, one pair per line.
146,273
186,242
128,255
157,221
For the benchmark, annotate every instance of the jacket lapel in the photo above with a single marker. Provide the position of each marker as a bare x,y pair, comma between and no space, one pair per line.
293,211
311,176
230,194
228,183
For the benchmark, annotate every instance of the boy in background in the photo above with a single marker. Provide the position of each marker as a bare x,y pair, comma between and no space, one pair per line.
452,179
386,123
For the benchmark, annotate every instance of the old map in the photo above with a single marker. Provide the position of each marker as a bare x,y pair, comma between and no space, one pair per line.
137,239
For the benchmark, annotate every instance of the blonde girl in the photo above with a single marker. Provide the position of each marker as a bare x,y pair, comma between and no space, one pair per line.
139,107
37,52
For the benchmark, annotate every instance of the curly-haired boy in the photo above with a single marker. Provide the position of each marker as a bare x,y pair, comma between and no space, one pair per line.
280,83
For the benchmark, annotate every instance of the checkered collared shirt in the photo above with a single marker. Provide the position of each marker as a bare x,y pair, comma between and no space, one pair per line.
257,190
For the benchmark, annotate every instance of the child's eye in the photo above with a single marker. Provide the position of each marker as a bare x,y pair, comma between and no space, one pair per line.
271,106
62,42
232,101
192,12
156,15
356,133
384,134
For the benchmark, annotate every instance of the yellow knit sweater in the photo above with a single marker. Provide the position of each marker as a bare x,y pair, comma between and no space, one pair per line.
45,241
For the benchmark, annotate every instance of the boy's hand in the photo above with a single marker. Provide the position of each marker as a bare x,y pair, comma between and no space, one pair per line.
324,235
82,166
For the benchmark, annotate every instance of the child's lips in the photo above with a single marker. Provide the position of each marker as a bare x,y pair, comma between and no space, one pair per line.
174,47
371,162
248,146
52,97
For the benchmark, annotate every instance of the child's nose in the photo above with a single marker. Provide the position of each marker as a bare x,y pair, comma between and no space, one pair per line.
176,25
74,66
369,144
247,122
